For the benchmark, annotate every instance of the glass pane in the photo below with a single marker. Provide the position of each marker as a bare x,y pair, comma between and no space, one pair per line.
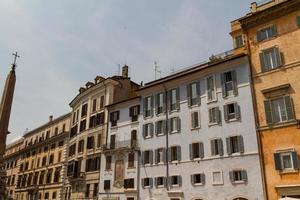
286,161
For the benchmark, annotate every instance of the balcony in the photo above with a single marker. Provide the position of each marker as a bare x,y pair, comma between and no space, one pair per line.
121,145
73,177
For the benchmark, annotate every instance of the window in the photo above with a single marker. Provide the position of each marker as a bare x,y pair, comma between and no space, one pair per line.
114,117
217,178
229,83
298,21
160,155
196,150
147,182
92,164
231,112
270,59
195,120
87,191
99,140
198,179
41,178
175,181
80,146
74,131
134,112
174,125
129,183
56,175
133,139
49,176
266,33
82,125
147,157
211,89
193,94
175,153
72,149
238,176
90,142
130,198
160,103
106,184
112,141
53,146
44,161
101,102
160,127
54,195
148,130
148,106
174,98
59,157
56,131
216,147
108,163
95,191
51,159
84,109
235,144
279,110
239,41
160,181
131,160
94,105
214,115
46,196
287,160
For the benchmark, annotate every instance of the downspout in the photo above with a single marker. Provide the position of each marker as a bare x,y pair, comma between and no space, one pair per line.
258,134
167,135
138,175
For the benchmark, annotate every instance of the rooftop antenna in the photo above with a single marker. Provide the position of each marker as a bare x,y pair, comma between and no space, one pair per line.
156,71
119,70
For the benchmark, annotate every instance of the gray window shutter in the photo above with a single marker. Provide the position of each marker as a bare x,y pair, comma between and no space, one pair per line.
268,111
231,176
228,144
218,115
237,111
201,150
151,157
241,144
156,128
212,145
210,115
295,160
225,110
191,151
188,89
277,160
169,99
164,128
193,119
144,106
155,182
178,124
192,179
220,144
165,181
177,98
234,81
178,153
198,93
151,129
263,64
156,156
151,182
164,155
278,57
244,175
224,92
169,154
179,181
289,107
164,102
143,182
202,178
156,103
142,158
152,105
273,30
144,131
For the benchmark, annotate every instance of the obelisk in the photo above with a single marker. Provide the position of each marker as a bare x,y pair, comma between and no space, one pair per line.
5,109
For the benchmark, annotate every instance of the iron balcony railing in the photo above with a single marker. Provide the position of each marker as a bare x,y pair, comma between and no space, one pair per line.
125,144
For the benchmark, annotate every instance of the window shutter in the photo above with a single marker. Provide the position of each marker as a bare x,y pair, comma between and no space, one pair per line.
220,144
191,151
234,81
210,113
278,57
143,182
178,153
130,111
118,115
244,175
165,181
273,31
241,144
295,160
225,109
164,155
152,105
192,179
156,128
156,156
164,128
193,119
156,103
151,157
268,111
259,36
229,148
164,102
178,124
144,106
144,131
169,100
202,176
170,125
179,181
201,150
213,150
231,176
218,115
208,90
155,181
277,159
289,107
151,182
111,116
224,92
151,129
188,89
169,154
263,65
237,111
177,98
198,93
142,158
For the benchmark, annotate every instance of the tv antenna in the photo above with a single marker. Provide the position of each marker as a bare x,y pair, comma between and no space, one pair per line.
156,70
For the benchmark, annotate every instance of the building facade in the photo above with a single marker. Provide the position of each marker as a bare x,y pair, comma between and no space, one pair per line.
198,137
88,132
270,35
119,176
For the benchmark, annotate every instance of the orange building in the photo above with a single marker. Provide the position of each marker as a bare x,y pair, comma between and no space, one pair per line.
270,35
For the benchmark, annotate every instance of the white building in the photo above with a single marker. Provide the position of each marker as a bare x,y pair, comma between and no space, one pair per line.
201,121
119,166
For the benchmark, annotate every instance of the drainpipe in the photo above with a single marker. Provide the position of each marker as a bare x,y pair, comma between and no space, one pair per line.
258,134
138,174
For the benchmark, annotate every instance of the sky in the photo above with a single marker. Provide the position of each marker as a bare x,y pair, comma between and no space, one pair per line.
64,44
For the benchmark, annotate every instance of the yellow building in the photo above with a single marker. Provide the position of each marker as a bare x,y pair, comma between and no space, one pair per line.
34,164
270,34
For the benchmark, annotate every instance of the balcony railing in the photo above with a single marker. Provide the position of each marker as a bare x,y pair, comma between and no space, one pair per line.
125,144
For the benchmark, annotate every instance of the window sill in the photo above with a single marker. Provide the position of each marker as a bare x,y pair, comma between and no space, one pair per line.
220,183
175,186
174,132
160,134
212,101
194,106
131,168
147,137
198,184
196,128
233,120
174,111
278,125
238,182
213,124
289,171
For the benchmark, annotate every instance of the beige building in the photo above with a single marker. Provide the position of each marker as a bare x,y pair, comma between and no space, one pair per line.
34,163
88,132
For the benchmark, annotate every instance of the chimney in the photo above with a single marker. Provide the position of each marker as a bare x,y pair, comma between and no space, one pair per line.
50,118
253,7
125,71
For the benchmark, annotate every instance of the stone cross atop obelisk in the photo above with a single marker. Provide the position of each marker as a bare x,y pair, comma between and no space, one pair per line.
5,109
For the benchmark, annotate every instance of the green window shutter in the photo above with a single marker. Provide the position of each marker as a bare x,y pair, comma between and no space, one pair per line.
143,183
164,155
218,115
156,128
151,157
156,156
298,21
278,57
295,160
164,128
151,182
277,160
289,107
164,102
156,103
178,124
152,105
144,106
263,64
268,111
142,158
234,80
192,179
